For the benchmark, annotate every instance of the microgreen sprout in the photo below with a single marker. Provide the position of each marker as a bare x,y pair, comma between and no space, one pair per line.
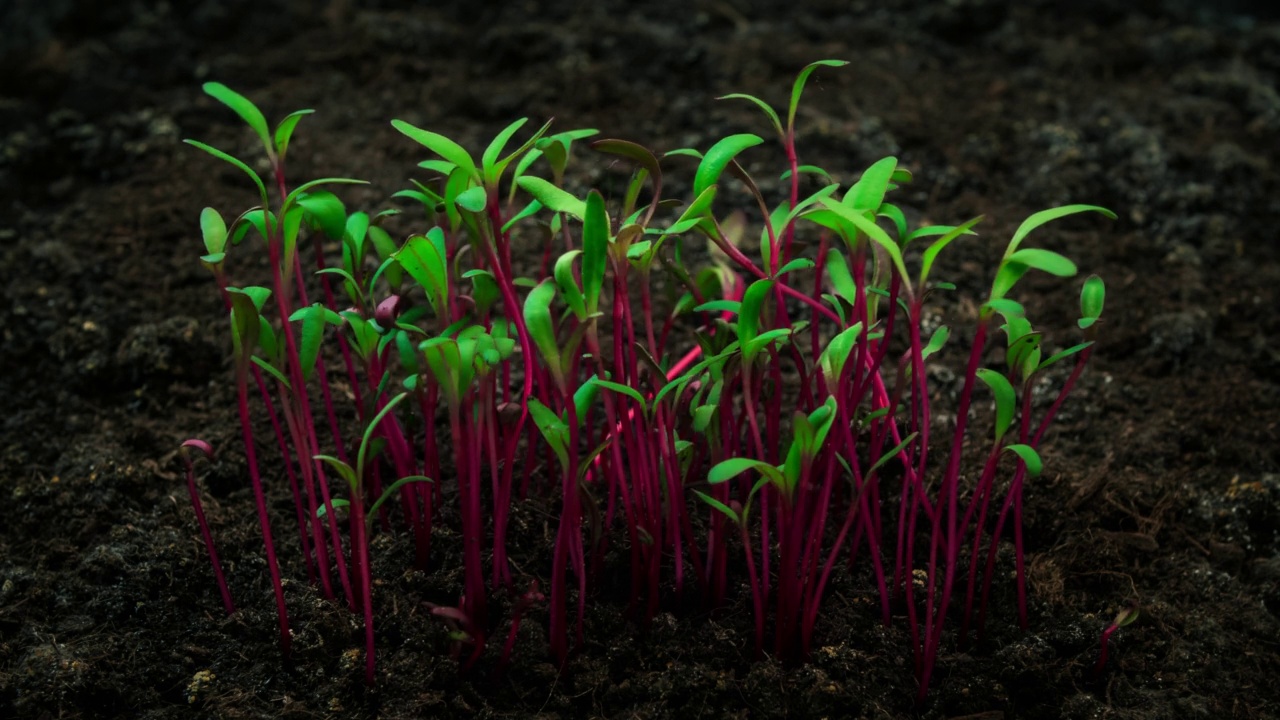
185,453
779,402
1122,618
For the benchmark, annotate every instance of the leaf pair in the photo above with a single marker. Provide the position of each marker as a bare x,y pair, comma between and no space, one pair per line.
424,257
246,320
368,450
275,144
1016,262
796,89
809,436
455,361
555,427
585,301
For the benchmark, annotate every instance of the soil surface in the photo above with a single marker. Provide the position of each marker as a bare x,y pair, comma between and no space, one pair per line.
1163,482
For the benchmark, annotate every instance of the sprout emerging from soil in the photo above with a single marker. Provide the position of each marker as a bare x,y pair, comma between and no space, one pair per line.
698,375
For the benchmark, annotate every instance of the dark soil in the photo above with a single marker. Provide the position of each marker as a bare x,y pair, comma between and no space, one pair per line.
1164,472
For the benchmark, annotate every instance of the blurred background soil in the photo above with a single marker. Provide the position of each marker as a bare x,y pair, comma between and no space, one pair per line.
1163,480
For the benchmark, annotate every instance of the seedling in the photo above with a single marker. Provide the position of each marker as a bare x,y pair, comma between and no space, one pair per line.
361,520
185,453
1123,618
784,396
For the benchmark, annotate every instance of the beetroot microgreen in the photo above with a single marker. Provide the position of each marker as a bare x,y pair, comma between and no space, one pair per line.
1125,617
795,385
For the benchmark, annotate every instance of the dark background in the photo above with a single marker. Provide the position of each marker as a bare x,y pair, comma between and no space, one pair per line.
1163,487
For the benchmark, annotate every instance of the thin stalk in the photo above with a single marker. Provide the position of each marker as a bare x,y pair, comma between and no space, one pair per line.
251,455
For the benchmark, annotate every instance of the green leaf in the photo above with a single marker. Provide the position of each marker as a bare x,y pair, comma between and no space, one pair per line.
717,505
326,210
556,147
1092,297
719,157
768,111
733,467
1004,306
868,193
749,314
553,430
1023,354
1064,354
346,276
440,145
386,249
552,197
246,305
284,131
214,230
696,211
568,284
473,199
1126,617
1046,216
457,182
821,420
584,463
484,288
354,233
444,358
271,370
259,295
362,453
886,457
762,340
531,209
899,218
1005,398
836,305
831,221
702,417
1045,261
423,257
810,169
841,280
444,167
344,471
1029,457
494,173
305,189
491,153
583,398
392,490
595,248
936,341
638,154
262,189
313,322
798,87
802,437
731,306
1006,277
931,253
837,353
244,108
625,390
877,235
335,502
541,327
797,264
